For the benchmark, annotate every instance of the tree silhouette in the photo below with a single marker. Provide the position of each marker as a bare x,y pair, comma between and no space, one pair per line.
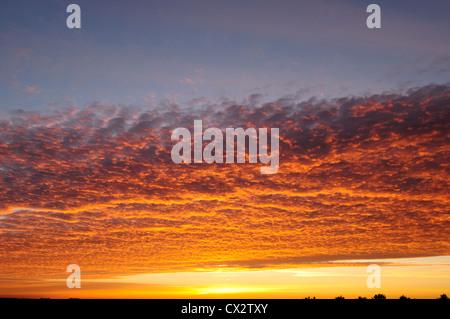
361,298
379,296
340,297
443,297
403,297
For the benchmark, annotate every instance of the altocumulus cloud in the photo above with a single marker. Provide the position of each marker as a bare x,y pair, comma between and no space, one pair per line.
359,177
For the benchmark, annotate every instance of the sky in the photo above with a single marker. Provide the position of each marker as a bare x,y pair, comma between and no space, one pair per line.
138,52
86,175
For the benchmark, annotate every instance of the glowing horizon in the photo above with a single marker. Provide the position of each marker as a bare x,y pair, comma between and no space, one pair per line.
412,277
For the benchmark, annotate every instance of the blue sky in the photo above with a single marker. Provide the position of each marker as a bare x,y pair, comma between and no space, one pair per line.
142,52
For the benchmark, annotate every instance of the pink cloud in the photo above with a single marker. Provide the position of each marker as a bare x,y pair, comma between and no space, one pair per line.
32,89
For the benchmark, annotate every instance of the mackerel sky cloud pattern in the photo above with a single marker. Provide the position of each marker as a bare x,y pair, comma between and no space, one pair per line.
359,177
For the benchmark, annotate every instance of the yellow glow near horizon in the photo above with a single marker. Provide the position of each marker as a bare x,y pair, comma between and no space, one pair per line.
229,290
413,277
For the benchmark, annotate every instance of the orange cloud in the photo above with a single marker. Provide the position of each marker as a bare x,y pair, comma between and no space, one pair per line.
358,178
